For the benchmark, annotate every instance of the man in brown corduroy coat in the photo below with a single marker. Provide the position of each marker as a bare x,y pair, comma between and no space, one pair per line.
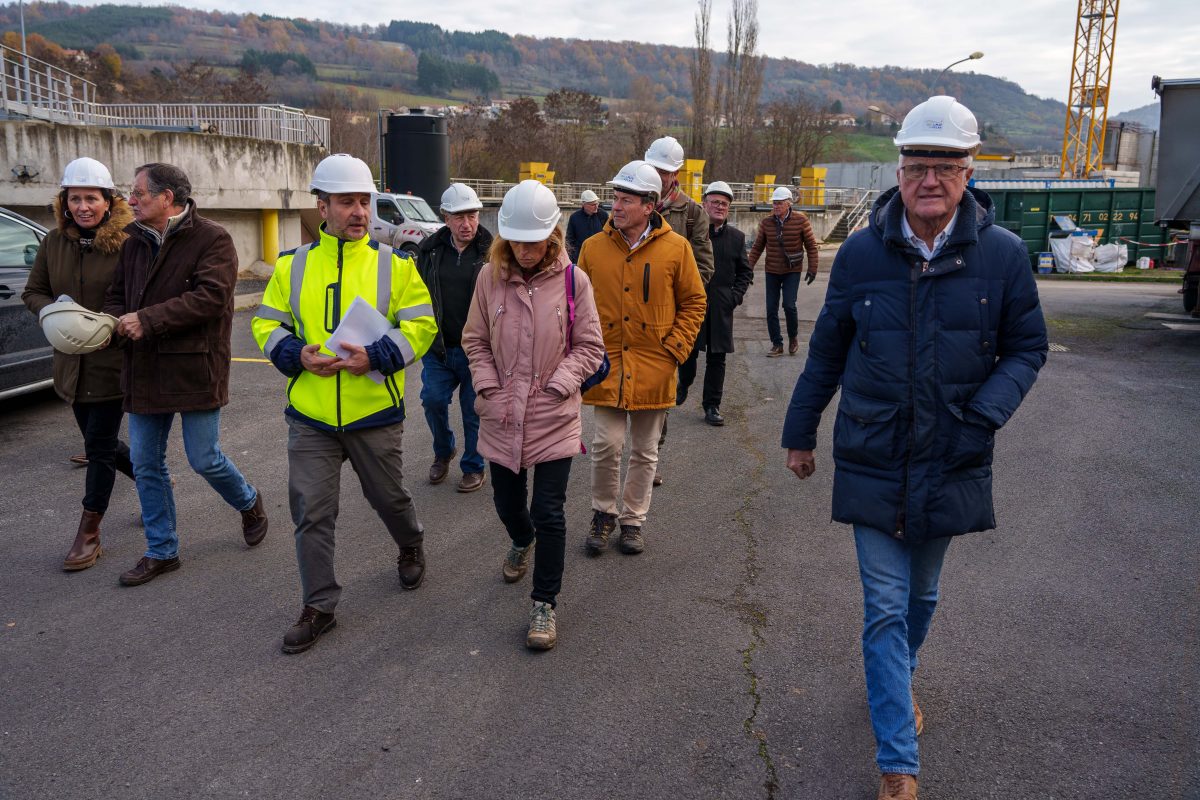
786,236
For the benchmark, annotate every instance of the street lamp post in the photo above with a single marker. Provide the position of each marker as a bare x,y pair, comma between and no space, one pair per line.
973,57
25,55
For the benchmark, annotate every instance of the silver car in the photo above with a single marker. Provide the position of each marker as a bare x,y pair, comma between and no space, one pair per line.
25,355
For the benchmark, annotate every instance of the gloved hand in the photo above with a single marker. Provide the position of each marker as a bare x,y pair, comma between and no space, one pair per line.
810,277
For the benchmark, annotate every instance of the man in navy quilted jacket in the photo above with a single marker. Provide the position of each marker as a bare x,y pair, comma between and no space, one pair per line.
933,330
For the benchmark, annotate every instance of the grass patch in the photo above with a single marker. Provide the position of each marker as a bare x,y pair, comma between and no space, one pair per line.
1127,275
859,147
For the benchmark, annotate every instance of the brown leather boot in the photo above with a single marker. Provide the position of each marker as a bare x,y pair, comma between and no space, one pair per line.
893,786
86,549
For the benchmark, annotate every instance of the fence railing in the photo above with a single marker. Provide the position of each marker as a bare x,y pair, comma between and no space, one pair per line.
39,90
744,194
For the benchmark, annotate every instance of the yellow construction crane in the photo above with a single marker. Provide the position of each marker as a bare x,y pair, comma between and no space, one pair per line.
1091,71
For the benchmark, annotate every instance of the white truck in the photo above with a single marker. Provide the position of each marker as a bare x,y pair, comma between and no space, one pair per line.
402,220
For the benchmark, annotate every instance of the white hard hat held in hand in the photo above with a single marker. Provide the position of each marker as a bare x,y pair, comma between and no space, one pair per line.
940,123
458,198
87,172
665,154
75,330
342,173
529,213
638,177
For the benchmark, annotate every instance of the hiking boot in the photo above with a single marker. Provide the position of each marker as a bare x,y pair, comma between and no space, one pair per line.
147,569
713,417
793,346
440,468
631,540
775,352
307,630
602,527
918,717
471,482
516,563
543,633
86,548
411,566
254,522
894,786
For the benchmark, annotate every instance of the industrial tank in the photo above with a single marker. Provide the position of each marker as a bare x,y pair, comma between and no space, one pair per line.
416,155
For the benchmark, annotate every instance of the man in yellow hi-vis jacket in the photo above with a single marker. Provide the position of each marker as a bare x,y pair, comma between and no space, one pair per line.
336,410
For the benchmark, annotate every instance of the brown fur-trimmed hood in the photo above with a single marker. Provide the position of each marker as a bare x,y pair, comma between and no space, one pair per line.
109,236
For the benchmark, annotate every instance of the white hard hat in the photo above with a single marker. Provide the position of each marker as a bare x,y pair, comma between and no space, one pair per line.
719,187
666,154
589,196
782,193
939,123
637,177
529,213
342,173
460,197
75,330
87,172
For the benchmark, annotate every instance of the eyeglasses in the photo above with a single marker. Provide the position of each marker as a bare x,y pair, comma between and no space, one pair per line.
719,203
943,172
140,195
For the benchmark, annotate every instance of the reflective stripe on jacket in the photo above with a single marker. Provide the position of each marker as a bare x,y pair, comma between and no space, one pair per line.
321,280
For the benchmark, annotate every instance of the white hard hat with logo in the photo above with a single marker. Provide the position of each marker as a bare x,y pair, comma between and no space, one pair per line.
529,213
75,330
638,177
458,198
719,187
589,196
342,173
87,172
940,123
782,193
666,154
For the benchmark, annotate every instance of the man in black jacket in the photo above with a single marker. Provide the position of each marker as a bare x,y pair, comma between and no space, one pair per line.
587,221
449,262
732,276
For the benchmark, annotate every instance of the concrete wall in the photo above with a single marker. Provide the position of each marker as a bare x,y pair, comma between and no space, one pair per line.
233,179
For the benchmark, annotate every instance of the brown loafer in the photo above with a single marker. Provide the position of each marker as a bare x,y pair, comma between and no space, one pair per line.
775,352
440,468
793,346
147,569
471,482
254,522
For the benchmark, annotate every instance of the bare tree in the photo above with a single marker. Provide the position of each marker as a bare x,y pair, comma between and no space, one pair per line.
701,83
742,78
797,130
642,114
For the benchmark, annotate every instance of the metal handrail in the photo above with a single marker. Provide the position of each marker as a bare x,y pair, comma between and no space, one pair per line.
744,194
56,95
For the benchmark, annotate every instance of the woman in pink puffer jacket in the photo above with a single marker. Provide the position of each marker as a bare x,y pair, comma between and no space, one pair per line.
528,360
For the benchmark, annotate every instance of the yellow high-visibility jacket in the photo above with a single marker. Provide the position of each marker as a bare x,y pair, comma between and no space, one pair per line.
312,287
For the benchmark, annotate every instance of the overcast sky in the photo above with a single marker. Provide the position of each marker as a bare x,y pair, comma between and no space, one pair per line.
1026,41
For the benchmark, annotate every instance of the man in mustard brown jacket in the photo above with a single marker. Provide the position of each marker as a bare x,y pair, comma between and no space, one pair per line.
787,237
651,302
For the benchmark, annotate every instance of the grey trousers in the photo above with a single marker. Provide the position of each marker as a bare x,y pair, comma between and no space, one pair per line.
315,459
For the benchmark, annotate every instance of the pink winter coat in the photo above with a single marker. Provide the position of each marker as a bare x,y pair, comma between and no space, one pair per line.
515,339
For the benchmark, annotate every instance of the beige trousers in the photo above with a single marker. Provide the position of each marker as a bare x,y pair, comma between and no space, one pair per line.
607,444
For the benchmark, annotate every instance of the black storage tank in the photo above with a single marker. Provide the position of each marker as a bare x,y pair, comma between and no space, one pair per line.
417,155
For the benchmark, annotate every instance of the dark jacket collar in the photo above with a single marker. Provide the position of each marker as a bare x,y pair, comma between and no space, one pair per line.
975,212
443,238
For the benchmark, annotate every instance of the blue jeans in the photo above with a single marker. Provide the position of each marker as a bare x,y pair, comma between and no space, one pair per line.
787,284
900,593
439,379
148,435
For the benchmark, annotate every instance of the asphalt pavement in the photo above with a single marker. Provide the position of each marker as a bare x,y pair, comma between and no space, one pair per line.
724,662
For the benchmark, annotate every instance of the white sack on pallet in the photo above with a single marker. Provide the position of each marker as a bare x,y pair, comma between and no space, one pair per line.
1072,254
1110,257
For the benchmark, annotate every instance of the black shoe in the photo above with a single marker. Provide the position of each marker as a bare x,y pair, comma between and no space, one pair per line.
147,569
254,522
411,566
712,416
631,542
602,527
680,395
307,630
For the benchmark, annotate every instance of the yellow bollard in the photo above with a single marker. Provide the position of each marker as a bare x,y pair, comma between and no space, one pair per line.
270,235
